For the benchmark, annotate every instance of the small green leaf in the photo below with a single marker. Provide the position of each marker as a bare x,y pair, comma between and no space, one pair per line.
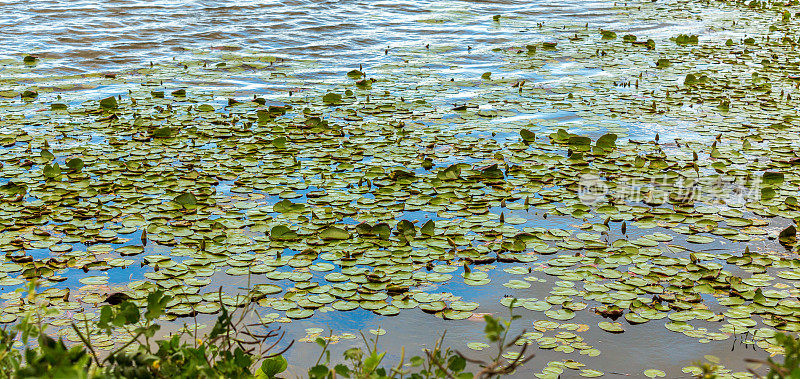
333,233
527,135
318,372
355,74
653,373
75,164
372,362
579,141
105,317
279,142
342,370
47,155
493,329
156,302
450,173
759,297
163,132
127,314
332,98
428,229
51,172
788,236
406,228
282,233
29,95
457,363
109,103
607,34
607,141
273,366
770,178
187,200
286,206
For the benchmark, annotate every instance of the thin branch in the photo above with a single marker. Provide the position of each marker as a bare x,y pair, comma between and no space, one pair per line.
470,360
134,339
282,351
518,361
439,364
398,369
86,342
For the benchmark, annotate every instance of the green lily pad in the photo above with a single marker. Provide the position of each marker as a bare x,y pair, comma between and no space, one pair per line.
611,327
334,233
282,233
653,373
477,345
560,314
299,313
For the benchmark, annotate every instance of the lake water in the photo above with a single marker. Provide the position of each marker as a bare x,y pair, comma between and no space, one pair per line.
318,42
85,36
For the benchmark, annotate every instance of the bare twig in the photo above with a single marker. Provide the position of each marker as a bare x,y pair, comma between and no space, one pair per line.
86,342
439,364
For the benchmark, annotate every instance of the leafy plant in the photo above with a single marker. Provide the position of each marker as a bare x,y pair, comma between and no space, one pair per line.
231,349
790,367
436,362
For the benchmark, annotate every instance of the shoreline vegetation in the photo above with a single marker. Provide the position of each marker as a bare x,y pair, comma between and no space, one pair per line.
596,183
234,348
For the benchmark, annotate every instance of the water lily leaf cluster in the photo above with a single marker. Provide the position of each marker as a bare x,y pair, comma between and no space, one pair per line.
660,192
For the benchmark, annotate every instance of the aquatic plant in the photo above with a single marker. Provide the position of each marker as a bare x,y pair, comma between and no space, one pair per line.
230,350
603,183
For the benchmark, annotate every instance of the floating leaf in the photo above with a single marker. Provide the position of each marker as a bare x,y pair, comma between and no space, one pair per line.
75,164
607,34
355,74
164,132
527,135
187,200
560,314
332,98
611,327
653,373
477,345
109,103
772,178
299,313
788,236
51,171
607,141
282,233
334,233
428,229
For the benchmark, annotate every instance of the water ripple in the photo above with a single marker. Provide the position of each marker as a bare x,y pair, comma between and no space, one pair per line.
96,33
